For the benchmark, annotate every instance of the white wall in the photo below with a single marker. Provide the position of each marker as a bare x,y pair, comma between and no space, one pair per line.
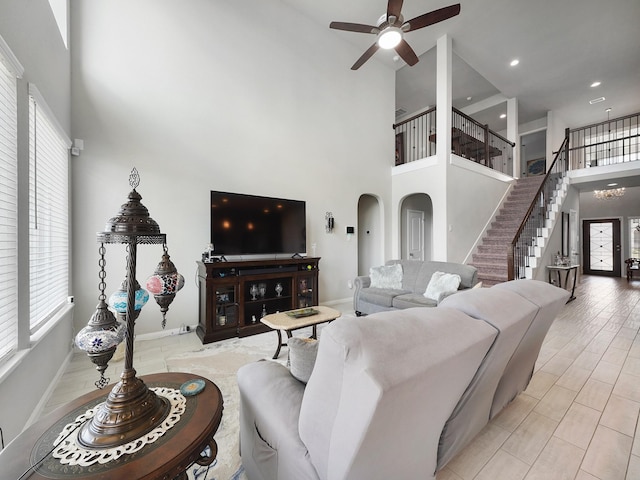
30,30
473,192
462,205
203,95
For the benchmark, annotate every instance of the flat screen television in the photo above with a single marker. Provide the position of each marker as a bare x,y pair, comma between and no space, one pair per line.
252,225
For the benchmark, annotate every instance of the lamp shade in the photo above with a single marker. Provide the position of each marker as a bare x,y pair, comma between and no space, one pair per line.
118,299
100,338
164,284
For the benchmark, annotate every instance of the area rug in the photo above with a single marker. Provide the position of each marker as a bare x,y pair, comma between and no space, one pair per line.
219,362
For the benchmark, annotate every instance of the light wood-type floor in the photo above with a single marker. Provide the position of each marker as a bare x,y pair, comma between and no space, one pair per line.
577,420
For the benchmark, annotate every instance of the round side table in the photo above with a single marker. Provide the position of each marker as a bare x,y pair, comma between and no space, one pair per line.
167,458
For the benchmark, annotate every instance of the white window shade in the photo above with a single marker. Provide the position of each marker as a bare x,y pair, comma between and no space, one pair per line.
48,213
8,210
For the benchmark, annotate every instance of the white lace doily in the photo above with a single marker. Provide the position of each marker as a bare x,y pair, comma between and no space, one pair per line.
69,452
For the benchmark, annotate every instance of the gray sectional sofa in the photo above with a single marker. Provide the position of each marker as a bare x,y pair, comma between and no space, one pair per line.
396,394
415,279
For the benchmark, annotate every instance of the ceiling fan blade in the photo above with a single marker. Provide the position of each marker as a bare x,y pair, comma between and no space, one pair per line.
431,18
365,56
354,27
393,8
407,53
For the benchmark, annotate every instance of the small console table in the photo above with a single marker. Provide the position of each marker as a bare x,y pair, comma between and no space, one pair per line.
167,458
558,270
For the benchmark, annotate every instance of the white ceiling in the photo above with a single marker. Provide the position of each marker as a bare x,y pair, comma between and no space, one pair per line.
563,46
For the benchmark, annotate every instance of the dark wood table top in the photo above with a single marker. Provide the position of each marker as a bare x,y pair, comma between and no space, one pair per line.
166,458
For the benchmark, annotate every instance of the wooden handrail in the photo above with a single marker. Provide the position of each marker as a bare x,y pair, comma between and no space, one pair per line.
485,127
511,253
597,144
417,115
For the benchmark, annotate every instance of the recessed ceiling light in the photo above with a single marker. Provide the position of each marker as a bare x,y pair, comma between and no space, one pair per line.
514,62
469,98
611,184
597,100
504,115
595,84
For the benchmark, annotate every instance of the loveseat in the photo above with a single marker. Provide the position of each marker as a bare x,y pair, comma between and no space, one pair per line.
409,289
396,394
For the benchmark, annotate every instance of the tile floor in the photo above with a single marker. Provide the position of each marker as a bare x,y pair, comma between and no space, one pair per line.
577,420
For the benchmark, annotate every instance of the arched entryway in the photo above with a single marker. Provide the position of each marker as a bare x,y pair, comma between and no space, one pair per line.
370,234
416,227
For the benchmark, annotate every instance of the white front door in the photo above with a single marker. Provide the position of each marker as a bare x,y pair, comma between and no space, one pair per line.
415,234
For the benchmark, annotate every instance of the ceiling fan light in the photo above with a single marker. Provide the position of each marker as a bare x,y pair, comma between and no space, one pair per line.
389,38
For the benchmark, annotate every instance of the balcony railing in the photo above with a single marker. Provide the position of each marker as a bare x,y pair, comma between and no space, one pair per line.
607,143
416,139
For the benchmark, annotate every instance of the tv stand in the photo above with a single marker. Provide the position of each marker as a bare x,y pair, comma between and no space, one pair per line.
234,295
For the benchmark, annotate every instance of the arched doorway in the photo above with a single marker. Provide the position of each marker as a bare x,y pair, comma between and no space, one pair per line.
416,227
370,234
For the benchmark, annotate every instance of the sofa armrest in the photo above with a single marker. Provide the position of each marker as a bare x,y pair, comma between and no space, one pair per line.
362,282
270,445
358,284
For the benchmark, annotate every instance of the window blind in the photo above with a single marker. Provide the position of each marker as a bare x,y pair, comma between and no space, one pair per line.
8,211
48,213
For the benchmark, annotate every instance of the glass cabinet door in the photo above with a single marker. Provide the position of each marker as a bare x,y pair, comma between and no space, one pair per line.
265,296
306,291
226,307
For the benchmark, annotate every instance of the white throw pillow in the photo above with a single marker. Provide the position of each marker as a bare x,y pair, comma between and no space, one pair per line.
386,276
302,357
441,285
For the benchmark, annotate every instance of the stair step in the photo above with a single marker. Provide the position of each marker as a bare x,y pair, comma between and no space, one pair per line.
492,249
490,257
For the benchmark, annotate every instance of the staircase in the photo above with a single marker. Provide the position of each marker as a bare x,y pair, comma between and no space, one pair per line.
491,256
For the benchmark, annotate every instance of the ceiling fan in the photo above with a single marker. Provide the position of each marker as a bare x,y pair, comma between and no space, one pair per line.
391,28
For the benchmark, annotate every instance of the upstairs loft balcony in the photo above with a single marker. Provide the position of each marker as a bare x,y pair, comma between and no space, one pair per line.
416,139
611,142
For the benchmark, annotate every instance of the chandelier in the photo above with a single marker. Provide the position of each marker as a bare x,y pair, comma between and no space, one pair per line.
609,193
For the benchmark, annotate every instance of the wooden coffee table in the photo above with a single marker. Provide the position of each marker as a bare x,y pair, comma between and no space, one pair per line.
288,322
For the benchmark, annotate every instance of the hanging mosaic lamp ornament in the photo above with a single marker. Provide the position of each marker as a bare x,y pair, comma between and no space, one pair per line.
103,333
165,283
118,299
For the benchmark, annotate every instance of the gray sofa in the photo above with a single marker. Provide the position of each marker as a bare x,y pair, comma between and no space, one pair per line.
396,394
415,278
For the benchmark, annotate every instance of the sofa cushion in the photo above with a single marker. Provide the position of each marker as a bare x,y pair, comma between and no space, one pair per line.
411,300
364,415
511,315
442,285
386,276
519,370
380,296
410,271
302,357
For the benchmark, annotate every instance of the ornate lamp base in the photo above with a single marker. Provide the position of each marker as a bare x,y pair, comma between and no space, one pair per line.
130,411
